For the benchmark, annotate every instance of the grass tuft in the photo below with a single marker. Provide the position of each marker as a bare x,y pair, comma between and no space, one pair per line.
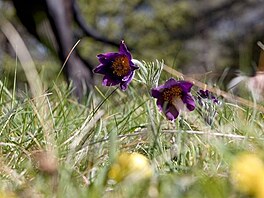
59,148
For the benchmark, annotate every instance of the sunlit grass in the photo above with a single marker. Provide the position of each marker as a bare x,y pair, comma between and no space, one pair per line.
189,157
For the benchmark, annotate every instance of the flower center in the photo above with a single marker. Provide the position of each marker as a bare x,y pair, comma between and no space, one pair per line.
121,66
170,93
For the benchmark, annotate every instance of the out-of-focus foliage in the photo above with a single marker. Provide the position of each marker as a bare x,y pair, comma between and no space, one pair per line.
145,25
193,36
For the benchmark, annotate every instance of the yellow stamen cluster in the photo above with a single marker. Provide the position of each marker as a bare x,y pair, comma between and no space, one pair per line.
170,93
121,66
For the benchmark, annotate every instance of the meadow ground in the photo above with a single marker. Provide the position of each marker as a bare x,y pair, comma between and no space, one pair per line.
52,146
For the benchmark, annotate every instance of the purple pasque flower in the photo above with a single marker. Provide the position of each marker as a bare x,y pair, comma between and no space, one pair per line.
207,105
205,94
173,97
117,67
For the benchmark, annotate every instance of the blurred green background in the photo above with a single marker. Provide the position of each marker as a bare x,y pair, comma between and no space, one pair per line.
206,39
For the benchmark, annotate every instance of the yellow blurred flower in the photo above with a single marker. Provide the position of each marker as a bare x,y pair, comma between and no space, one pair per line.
247,173
5,194
132,165
260,189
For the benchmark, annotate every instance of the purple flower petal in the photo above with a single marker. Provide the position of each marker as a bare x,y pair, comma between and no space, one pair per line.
171,113
109,82
204,93
155,92
107,57
128,77
189,101
160,104
101,69
117,67
186,86
123,50
171,82
173,96
207,96
124,84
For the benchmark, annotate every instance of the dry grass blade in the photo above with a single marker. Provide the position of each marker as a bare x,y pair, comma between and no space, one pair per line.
67,58
12,174
217,91
24,57
84,130
40,104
